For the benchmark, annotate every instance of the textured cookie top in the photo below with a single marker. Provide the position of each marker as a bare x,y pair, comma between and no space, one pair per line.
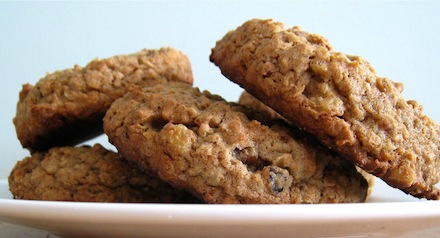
338,98
87,174
246,99
65,102
214,149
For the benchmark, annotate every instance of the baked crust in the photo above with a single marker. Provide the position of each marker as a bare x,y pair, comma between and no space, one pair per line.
218,151
87,174
247,100
338,98
66,107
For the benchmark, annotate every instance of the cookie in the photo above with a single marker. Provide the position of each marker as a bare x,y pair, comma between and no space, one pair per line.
247,100
218,152
66,107
87,174
338,98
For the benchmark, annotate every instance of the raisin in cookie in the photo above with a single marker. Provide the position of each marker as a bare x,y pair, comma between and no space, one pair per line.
215,150
338,98
87,174
67,106
246,99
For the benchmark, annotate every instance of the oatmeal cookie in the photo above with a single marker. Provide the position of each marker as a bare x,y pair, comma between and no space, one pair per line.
66,107
87,174
217,151
338,98
246,99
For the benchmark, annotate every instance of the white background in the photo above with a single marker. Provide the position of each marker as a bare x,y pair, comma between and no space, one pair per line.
400,39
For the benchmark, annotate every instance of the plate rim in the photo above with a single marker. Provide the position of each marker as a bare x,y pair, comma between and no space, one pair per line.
59,217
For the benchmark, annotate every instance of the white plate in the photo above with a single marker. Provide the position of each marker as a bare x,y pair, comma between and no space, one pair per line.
377,218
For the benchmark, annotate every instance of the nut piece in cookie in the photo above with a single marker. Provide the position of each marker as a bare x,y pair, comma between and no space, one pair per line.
338,98
87,174
217,151
66,107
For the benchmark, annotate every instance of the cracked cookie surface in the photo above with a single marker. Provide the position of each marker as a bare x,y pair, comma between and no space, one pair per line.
338,98
87,174
66,107
218,151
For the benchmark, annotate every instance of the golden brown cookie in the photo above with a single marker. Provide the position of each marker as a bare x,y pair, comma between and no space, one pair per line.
217,151
87,174
338,98
66,107
246,99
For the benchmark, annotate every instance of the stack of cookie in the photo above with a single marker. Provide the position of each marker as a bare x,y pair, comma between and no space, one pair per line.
225,152
65,108
309,123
